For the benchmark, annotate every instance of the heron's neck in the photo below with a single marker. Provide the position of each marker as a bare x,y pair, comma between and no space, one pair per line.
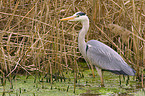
81,38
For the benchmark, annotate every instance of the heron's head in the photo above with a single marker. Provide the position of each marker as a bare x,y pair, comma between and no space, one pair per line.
79,16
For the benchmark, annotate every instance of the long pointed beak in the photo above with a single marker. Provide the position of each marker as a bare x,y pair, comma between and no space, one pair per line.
68,18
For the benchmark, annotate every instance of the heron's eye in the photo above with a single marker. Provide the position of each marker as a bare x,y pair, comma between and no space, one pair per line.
78,15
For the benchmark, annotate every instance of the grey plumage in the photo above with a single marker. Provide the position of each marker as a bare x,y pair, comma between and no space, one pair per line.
107,59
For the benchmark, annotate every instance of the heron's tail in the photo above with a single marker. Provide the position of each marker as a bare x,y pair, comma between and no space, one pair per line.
133,74
129,71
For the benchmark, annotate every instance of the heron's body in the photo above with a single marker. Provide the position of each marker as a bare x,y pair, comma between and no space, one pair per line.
107,59
99,54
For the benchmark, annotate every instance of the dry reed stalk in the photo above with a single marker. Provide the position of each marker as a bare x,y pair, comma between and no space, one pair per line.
64,48
135,39
74,38
142,78
143,84
95,7
51,80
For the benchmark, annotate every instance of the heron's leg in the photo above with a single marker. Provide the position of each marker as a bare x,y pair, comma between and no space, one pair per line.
92,70
101,76
120,79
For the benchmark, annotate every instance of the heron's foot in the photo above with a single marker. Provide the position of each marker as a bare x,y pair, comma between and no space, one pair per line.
102,85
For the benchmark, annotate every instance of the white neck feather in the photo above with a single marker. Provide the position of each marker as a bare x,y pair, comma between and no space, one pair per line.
81,37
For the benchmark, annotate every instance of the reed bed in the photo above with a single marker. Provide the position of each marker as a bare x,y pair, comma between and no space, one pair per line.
33,40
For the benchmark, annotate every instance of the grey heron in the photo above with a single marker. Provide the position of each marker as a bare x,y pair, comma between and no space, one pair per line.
97,53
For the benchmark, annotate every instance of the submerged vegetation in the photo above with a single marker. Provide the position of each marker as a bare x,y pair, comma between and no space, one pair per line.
86,86
36,48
